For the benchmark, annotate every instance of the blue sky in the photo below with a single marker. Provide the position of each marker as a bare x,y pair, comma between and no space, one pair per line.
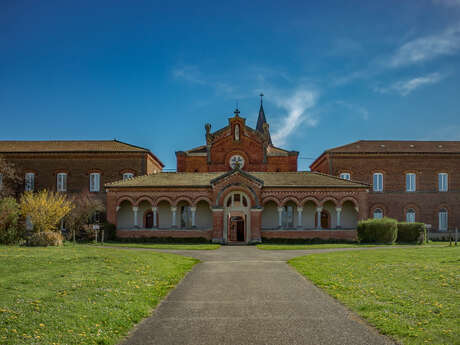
153,74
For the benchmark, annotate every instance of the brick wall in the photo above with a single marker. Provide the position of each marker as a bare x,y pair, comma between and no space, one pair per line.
394,200
78,167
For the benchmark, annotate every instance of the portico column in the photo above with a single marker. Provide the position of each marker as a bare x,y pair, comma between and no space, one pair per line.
339,213
135,209
280,216
154,210
318,215
299,217
118,208
193,210
173,220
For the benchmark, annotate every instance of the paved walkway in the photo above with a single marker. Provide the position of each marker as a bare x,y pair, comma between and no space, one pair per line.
243,295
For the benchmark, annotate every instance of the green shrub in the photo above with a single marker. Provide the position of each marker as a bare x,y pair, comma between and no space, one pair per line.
11,232
383,230
45,239
411,232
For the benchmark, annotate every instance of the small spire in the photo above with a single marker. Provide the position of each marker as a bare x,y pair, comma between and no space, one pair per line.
236,112
261,120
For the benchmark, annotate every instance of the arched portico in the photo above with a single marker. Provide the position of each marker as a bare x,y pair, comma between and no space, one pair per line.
237,217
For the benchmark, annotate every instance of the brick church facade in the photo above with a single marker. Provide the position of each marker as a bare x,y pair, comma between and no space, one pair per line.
238,187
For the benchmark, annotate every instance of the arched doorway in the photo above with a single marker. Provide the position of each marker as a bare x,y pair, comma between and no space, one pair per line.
236,221
148,220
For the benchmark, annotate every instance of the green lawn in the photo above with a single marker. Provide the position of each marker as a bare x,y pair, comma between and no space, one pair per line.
334,245
81,294
412,295
165,246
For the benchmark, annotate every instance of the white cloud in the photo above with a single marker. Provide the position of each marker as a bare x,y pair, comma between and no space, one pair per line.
405,87
189,73
296,106
448,3
427,48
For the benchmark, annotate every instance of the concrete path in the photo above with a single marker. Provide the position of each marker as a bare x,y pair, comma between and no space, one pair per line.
243,295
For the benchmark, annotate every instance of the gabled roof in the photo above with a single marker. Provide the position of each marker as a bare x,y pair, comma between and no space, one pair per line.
393,147
398,146
68,146
269,179
71,146
240,172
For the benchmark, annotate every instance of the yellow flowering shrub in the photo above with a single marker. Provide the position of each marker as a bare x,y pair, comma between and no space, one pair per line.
45,209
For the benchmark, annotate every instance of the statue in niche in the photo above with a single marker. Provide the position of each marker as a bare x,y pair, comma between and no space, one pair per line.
237,132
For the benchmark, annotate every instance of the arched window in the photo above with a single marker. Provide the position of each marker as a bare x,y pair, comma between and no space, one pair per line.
127,176
443,219
377,182
378,213
237,200
410,215
345,176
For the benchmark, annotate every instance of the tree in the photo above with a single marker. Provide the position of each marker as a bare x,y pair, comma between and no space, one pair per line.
85,207
10,230
9,179
45,209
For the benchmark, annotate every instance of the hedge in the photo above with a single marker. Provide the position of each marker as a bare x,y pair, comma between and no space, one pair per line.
411,232
382,230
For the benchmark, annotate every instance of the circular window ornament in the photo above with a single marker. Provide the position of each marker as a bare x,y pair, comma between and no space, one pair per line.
236,161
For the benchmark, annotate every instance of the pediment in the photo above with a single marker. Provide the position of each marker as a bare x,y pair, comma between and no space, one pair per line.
239,175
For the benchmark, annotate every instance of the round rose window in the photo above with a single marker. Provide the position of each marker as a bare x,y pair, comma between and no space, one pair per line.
236,161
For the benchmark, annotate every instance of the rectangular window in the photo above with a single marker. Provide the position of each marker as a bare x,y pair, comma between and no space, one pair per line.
378,182
1,181
94,182
443,182
29,182
410,182
61,182
443,225
345,176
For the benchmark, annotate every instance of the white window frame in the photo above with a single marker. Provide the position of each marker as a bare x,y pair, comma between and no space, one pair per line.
345,176
127,175
443,219
411,182
377,177
409,217
29,184
61,182
443,182
95,182
375,212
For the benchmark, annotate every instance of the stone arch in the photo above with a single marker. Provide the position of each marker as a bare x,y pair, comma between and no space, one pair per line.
290,198
310,198
163,198
233,187
202,198
183,198
271,198
125,198
329,198
349,198
144,198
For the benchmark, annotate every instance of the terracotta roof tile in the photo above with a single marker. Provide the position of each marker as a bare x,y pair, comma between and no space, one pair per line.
398,146
270,179
69,146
